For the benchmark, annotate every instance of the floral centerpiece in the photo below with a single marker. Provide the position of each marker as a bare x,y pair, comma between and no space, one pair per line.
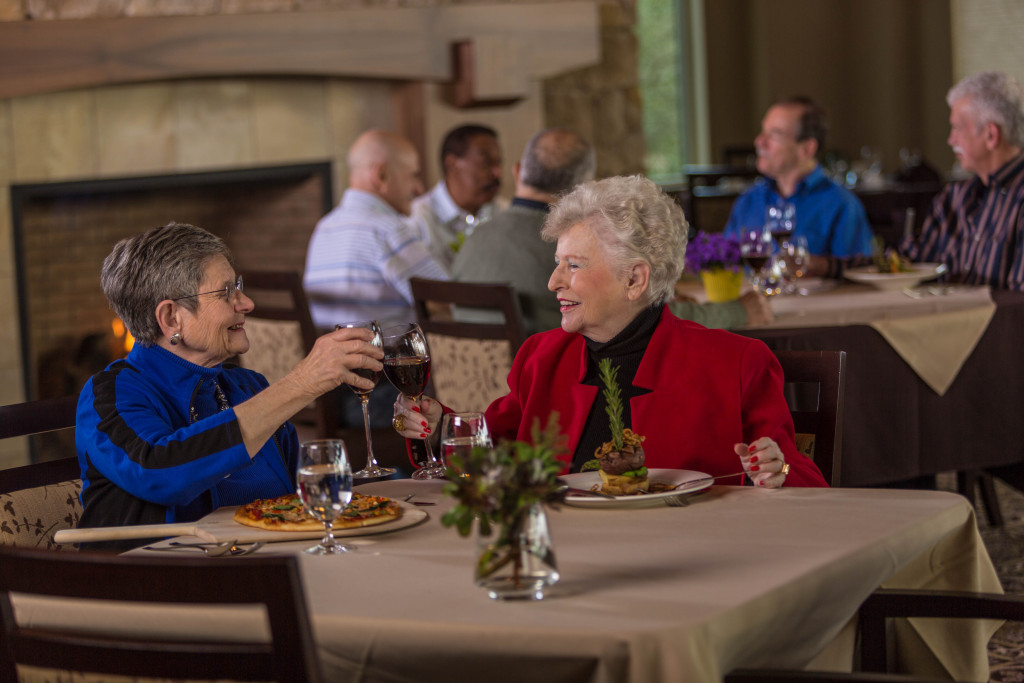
500,491
717,259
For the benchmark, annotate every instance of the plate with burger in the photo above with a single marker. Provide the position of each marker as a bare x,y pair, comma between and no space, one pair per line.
617,474
661,484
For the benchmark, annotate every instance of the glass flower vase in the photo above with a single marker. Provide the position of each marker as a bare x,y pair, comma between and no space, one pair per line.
517,560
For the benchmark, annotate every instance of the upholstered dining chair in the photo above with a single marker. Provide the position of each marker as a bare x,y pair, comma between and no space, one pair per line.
279,646
470,361
40,499
281,333
815,382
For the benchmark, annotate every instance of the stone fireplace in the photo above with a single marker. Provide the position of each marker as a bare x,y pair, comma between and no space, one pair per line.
63,230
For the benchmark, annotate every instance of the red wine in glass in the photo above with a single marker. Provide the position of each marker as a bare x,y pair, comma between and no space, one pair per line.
409,374
756,261
373,469
372,375
407,366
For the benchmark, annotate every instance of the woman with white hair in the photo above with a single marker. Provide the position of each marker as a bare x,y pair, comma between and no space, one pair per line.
705,400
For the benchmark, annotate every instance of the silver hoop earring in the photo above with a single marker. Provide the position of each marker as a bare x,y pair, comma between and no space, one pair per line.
175,339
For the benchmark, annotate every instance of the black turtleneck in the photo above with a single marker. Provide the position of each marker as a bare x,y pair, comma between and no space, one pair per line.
625,350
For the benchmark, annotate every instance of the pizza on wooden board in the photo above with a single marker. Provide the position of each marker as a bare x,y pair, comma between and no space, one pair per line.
286,513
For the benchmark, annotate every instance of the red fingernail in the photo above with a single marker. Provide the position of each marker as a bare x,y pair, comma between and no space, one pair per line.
423,436
752,448
753,458
426,429
755,468
416,408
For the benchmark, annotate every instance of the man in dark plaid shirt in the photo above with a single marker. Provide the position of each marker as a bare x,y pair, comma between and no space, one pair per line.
975,226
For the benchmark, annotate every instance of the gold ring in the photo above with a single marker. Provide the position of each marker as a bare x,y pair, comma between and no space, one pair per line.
785,469
398,423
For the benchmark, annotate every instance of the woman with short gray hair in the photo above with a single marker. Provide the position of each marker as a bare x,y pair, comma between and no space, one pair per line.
704,400
169,433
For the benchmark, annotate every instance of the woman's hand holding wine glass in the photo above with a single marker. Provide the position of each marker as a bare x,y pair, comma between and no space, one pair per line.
372,469
407,366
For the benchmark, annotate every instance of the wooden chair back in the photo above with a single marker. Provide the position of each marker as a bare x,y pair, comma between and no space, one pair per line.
885,604
271,582
815,384
37,417
281,332
40,499
470,361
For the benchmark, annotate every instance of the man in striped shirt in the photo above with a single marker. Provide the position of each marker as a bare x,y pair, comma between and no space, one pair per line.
363,253
975,226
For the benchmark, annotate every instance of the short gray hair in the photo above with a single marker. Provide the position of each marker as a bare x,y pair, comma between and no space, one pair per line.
556,160
162,263
995,97
635,222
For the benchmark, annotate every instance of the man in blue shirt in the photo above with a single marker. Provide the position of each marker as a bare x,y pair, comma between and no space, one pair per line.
829,216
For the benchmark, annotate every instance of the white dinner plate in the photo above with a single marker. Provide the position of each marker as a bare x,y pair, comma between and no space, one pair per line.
869,275
691,481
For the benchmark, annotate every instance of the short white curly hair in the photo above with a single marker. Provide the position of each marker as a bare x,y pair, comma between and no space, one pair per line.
634,221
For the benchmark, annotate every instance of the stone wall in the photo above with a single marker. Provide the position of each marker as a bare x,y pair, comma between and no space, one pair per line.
601,102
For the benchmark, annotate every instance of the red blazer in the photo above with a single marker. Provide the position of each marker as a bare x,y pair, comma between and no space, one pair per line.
710,389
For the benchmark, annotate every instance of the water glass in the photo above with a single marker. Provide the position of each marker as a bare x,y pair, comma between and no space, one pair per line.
324,482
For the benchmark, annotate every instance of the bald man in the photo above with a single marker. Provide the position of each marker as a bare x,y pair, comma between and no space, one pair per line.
362,254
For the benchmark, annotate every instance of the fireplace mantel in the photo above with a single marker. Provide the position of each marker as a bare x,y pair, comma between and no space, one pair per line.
512,44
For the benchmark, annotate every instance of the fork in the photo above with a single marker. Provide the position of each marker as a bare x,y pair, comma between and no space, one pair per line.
215,549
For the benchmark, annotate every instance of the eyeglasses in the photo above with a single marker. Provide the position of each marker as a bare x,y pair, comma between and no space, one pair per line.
228,291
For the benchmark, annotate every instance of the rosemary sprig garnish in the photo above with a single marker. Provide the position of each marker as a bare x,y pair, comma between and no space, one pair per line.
613,397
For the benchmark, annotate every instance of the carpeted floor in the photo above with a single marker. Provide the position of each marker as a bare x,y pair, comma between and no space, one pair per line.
1006,548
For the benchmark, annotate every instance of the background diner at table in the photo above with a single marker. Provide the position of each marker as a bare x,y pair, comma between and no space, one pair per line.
706,400
170,433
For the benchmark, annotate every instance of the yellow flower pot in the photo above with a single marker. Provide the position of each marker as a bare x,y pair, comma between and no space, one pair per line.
722,285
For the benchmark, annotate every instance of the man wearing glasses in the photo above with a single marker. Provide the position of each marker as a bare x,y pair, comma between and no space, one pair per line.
828,215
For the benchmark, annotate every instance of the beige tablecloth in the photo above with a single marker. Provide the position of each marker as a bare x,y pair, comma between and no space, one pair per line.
742,577
934,334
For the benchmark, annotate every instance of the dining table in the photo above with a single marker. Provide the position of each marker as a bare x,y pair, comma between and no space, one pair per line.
739,577
934,373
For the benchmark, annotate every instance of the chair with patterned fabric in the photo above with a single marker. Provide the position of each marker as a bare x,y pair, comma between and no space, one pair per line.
38,500
281,333
469,361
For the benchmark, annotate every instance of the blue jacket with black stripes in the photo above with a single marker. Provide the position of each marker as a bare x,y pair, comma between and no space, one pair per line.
144,460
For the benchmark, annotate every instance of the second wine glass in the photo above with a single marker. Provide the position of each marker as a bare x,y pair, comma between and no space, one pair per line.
372,469
461,433
407,366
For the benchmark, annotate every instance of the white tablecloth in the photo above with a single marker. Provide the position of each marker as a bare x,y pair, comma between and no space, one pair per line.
742,577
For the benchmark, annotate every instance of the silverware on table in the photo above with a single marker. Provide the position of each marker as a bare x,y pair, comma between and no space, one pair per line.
229,548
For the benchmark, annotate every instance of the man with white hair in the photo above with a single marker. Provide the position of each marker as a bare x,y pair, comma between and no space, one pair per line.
975,226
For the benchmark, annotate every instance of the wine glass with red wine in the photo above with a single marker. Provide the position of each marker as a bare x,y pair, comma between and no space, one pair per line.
756,248
407,366
372,469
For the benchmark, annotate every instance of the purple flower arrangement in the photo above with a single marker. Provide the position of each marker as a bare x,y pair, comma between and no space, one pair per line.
712,250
